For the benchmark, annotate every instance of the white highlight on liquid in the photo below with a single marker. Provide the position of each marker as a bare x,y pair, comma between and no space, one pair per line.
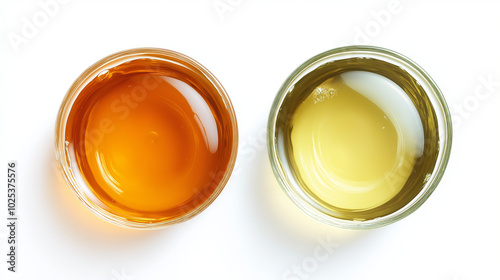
204,116
392,99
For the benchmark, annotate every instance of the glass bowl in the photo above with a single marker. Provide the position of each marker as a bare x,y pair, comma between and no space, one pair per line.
146,138
304,178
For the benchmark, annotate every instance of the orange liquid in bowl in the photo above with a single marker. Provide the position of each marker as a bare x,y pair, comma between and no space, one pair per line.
152,144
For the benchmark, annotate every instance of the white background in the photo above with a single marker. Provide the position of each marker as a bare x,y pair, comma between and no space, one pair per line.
252,230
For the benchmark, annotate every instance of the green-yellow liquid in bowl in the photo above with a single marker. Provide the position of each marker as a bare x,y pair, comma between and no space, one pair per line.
359,138
346,147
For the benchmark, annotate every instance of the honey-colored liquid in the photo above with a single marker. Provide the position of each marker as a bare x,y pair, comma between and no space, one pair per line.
151,144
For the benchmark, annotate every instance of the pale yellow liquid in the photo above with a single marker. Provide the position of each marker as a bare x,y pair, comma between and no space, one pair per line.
350,149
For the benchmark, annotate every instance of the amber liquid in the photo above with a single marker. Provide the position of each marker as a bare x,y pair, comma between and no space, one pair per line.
152,140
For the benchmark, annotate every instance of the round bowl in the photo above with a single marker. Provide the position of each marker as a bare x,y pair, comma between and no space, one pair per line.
146,138
310,175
